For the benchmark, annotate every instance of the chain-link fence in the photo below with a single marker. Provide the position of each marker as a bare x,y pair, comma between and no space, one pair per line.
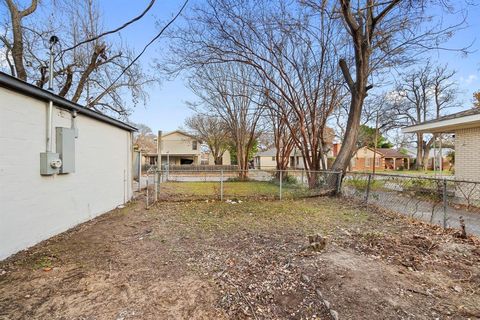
180,184
443,201
446,201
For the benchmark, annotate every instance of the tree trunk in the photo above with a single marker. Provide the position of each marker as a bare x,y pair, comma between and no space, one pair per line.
351,134
17,48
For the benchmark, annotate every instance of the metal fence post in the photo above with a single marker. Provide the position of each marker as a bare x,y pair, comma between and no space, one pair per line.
155,183
147,193
221,185
158,183
444,203
367,193
281,179
339,182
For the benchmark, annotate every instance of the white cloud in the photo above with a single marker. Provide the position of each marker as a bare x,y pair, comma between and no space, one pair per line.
470,79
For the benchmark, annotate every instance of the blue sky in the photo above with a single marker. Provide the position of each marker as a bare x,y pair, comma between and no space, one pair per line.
166,109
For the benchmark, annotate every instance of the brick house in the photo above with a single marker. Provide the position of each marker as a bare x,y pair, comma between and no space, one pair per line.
465,126
385,159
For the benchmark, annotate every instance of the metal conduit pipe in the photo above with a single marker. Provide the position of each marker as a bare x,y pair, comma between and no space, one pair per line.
53,41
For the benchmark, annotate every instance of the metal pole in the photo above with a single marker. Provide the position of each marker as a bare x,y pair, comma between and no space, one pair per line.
147,191
221,185
139,171
53,42
281,179
367,193
444,203
375,144
155,182
441,155
159,175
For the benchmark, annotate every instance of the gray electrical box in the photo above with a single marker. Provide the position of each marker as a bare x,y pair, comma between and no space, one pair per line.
65,141
50,163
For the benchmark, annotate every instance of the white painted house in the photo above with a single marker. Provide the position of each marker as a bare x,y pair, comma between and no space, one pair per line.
48,187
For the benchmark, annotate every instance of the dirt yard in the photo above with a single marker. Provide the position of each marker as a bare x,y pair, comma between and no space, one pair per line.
247,260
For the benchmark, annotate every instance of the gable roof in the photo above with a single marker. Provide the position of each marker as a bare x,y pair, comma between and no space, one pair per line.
179,132
449,123
390,153
25,88
386,152
272,152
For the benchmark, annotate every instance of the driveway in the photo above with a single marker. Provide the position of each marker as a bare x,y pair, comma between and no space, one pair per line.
421,209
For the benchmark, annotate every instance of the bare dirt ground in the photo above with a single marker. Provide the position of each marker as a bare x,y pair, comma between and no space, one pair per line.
248,260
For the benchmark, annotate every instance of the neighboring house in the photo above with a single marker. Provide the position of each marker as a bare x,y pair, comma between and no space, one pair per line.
180,148
466,127
266,160
384,159
149,158
434,157
41,196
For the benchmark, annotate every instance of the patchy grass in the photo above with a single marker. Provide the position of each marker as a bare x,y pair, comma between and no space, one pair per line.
233,189
304,216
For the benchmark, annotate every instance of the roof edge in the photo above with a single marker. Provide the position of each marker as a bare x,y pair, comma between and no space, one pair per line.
33,91
181,132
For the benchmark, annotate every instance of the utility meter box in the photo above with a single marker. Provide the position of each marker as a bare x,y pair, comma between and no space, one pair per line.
50,163
65,141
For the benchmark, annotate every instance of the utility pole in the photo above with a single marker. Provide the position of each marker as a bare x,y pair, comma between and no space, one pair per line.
375,144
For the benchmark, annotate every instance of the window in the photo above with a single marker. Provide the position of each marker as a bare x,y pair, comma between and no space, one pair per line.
368,162
273,158
377,162
194,145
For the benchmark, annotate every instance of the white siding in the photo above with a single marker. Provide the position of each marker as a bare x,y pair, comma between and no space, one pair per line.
34,207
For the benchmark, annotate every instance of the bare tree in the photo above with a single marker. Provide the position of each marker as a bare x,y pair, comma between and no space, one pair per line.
422,95
16,47
212,131
292,51
225,91
283,139
382,34
82,74
144,138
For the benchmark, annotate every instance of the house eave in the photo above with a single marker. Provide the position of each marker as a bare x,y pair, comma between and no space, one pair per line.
445,126
22,87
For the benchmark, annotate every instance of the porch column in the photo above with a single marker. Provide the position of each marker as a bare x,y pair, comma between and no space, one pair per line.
159,149
394,163
408,163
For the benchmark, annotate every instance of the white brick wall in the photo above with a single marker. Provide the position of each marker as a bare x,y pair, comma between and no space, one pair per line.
34,207
467,154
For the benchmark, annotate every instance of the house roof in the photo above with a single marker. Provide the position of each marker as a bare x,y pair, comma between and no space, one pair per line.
460,120
390,153
180,132
272,152
14,84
